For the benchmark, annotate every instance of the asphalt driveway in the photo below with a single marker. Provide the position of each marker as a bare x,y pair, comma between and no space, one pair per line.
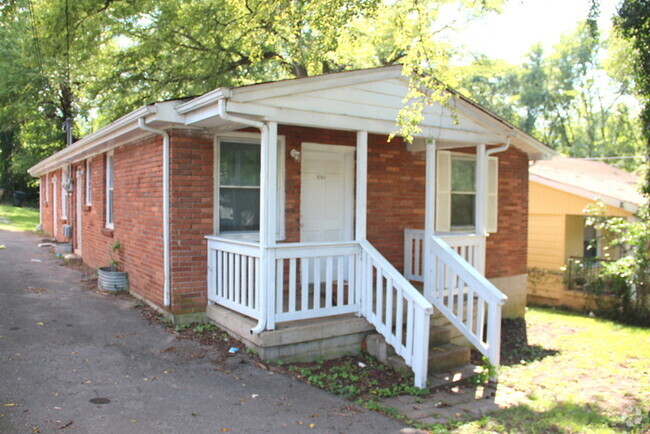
78,361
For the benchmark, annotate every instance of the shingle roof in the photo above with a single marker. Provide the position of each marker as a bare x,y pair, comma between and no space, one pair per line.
594,176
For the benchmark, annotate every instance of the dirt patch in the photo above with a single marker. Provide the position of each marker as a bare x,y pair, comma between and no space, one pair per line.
515,348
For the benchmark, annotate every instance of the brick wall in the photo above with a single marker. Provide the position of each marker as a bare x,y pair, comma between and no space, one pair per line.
507,248
191,196
396,185
396,193
137,215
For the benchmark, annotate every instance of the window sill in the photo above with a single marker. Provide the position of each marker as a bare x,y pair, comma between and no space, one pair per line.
107,232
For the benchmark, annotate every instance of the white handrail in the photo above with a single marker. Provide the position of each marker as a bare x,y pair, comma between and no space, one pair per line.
461,294
387,297
471,276
397,276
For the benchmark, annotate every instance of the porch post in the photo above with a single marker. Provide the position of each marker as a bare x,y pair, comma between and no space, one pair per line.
362,185
360,218
429,216
268,218
480,215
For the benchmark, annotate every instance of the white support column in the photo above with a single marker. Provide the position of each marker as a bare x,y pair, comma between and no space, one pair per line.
480,215
429,216
268,217
362,185
360,217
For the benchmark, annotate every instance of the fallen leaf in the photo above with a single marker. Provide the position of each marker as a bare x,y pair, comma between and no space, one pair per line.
17,354
10,405
57,394
74,352
169,371
312,425
58,408
133,421
87,382
39,323
224,429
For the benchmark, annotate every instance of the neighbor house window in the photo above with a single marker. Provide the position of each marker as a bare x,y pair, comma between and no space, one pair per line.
109,190
239,187
456,192
89,179
64,193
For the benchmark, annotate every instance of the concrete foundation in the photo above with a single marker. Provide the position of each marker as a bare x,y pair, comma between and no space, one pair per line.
515,288
296,341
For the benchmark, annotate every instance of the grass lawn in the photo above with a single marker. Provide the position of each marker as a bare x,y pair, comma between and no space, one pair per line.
18,219
598,381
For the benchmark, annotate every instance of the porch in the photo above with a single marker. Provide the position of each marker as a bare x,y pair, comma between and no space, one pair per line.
312,282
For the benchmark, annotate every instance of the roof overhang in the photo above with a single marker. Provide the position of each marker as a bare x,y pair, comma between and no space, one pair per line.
581,192
123,130
296,102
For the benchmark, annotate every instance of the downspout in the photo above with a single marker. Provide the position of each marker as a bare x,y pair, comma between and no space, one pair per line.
264,130
482,175
166,267
501,148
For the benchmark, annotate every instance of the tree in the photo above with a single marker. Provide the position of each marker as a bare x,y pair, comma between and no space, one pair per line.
633,22
569,98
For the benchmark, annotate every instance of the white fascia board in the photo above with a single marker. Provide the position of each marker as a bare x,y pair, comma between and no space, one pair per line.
204,100
351,123
107,137
581,192
319,82
535,149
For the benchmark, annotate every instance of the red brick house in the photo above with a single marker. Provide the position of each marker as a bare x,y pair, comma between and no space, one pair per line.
280,202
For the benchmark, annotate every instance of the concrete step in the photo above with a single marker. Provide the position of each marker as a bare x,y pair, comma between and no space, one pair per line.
452,377
445,357
439,335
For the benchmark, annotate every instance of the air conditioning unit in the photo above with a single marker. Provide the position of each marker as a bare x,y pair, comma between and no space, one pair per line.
67,231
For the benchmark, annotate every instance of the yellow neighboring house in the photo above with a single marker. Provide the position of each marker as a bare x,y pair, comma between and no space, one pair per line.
559,191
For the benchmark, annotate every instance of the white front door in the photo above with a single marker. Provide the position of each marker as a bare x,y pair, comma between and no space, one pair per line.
327,191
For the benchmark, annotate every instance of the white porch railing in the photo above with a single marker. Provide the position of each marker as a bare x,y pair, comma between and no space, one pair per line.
397,310
467,299
315,280
323,279
469,246
233,275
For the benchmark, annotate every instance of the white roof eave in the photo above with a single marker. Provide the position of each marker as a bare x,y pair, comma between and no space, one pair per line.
106,137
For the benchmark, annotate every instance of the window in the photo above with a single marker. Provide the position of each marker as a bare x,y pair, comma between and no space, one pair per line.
89,178
239,187
456,192
109,190
463,192
64,193
237,179
47,188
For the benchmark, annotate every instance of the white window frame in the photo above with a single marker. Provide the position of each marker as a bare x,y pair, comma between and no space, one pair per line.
443,193
110,190
65,179
249,138
47,188
89,191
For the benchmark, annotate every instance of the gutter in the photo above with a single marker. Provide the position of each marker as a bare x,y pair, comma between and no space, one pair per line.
88,143
264,130
166,246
